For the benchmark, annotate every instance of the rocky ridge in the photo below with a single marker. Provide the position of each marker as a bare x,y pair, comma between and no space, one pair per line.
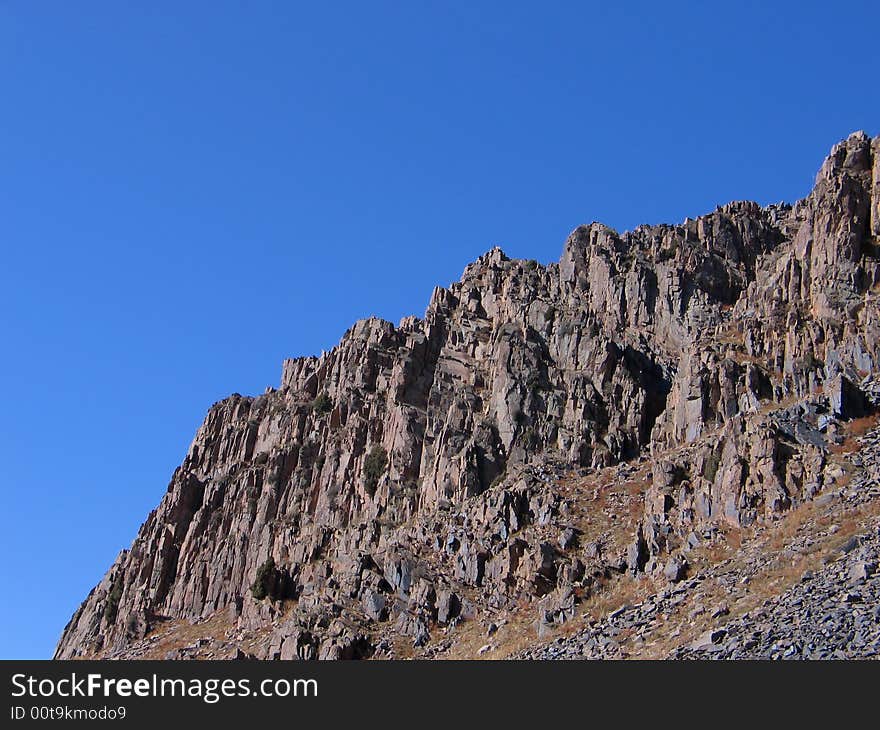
540,431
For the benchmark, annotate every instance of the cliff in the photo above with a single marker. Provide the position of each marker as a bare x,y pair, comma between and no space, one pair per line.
422,476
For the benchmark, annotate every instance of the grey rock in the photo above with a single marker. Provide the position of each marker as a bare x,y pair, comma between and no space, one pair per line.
675,569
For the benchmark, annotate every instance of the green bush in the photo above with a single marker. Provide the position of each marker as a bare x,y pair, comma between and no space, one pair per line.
131,626
322,404
710,467
112,605
374,467
265,580
530,439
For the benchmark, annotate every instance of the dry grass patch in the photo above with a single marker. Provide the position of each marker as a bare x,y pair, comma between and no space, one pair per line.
178,633
853,430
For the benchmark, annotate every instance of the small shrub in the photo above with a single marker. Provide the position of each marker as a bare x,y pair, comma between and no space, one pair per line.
322,404
529,439
274,477
710,468
265,580
112,606
131,626
374,467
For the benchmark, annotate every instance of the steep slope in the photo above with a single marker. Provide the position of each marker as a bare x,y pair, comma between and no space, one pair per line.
427,475
804,586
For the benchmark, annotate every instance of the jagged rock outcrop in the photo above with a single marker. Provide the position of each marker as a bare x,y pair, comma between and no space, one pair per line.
803,334
400,480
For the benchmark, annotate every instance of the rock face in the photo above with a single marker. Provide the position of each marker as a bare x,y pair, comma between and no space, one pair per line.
400,482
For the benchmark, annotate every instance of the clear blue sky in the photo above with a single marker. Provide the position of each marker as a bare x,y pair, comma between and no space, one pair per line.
190,192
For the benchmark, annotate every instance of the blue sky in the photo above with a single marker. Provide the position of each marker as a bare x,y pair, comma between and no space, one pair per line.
190,192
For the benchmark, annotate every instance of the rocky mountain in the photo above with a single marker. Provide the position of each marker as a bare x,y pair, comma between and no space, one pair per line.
543,436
